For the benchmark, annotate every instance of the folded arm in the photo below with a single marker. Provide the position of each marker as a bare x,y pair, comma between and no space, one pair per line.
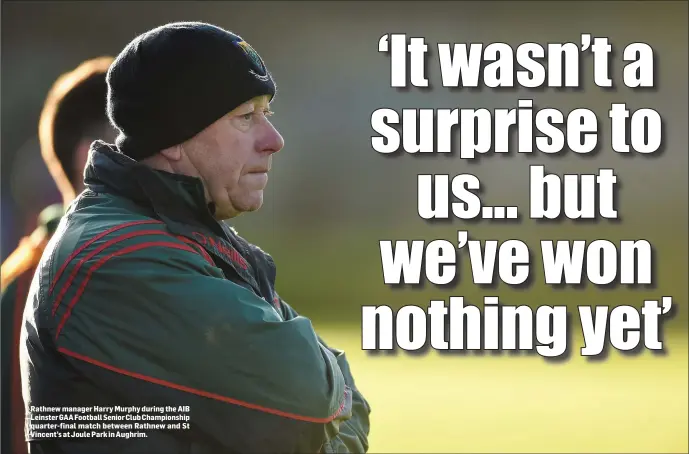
353,436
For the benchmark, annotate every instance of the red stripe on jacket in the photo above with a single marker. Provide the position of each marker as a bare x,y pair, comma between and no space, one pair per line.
102,261
99,249
91,241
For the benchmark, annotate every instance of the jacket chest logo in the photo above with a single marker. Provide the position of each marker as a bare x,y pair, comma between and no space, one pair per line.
221,249
228,254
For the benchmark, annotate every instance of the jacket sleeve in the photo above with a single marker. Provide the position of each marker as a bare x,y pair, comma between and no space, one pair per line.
156,324
353,436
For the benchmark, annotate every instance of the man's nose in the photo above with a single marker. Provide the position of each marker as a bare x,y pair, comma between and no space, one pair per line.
272,141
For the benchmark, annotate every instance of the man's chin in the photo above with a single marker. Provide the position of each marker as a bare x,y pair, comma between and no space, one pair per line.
255,202
253,207
236,210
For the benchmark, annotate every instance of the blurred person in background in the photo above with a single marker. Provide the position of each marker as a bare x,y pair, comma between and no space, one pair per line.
73,116
146,297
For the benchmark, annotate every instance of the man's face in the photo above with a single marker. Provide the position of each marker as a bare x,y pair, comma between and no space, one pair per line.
233,157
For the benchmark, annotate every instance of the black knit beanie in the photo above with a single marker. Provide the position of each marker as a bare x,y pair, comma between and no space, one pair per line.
172,82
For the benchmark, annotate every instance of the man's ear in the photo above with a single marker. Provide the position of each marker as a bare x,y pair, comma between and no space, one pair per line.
173,153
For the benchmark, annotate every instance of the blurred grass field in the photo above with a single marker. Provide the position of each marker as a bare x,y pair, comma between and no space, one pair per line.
467,403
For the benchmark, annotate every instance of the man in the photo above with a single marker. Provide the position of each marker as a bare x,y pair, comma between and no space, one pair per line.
146,298
73,116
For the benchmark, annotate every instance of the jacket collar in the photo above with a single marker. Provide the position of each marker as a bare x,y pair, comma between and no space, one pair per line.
179,198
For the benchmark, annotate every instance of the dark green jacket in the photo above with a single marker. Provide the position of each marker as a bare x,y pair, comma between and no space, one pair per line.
144,299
